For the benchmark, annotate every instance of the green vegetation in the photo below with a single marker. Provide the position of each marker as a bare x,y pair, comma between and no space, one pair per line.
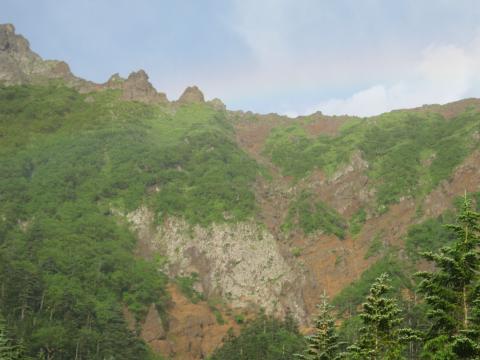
297,153
186,286
348,300
311,216
9,350
376,246
239,318
408,153
264,338
452,292
70,165
323,344
381,336
296,251
213,305
430,235
357,221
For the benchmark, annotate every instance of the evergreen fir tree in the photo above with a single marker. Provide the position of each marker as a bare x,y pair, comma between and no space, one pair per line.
452,292
323,344
381,336
7,350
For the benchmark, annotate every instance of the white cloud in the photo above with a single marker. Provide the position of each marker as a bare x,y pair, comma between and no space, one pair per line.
400,75
443,73
362,103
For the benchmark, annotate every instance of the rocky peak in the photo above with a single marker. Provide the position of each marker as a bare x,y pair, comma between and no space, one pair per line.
115,82
191,95
138,87
20,65
11,42
16,58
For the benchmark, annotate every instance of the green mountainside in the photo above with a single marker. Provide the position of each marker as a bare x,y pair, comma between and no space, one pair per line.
76,159
68,163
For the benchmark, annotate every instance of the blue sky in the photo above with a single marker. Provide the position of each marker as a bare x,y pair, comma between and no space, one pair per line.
286,56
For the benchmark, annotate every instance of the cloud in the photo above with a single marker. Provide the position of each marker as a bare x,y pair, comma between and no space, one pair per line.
442,74
302,47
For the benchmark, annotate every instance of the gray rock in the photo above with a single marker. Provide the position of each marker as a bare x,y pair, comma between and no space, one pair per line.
191,95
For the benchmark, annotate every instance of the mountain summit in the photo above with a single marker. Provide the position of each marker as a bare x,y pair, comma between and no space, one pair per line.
20,65
191,95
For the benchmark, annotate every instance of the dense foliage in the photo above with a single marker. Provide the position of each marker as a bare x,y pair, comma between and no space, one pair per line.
323,343
71,166
264,338
429,235
408,153
452,292
348,300
382,335
310,215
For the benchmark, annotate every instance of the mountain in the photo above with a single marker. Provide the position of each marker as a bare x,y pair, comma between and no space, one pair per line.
127,219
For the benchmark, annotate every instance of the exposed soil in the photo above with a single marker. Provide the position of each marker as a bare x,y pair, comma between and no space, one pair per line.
319,124
193,330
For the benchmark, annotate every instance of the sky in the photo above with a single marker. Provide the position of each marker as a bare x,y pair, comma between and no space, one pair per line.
293,57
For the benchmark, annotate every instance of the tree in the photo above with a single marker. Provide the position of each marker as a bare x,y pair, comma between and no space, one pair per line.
8,351
452,292
381,336
323,344
264,338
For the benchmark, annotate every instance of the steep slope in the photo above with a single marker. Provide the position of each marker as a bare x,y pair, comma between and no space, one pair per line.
186,212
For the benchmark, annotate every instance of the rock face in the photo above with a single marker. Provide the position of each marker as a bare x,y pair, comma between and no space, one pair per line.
20,65
16,59
136,87
191,95
238,262
152,329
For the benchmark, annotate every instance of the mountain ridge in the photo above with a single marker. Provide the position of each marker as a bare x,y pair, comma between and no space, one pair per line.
29,67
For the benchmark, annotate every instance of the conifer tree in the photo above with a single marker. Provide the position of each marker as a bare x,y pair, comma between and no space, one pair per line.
381,336
323,344
7,350
452,292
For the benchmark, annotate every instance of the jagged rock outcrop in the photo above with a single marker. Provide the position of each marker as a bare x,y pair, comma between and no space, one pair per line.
238,262
137,87
191,95
20,65
115,82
